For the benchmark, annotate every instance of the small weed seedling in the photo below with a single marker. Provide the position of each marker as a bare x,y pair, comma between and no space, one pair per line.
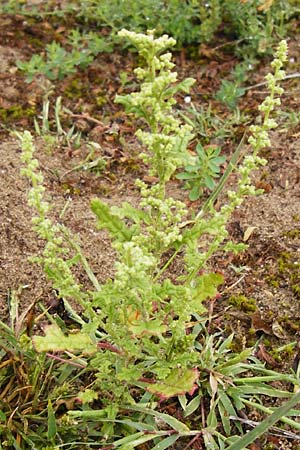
53,134
202,172
143,333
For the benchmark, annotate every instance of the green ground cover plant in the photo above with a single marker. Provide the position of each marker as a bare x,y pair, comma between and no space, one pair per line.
142,337
254,22
60,62
252,27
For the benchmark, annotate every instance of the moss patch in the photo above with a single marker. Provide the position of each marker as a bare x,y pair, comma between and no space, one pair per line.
243,303
16,112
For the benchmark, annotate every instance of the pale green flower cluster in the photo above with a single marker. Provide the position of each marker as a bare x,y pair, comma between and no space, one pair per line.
165,216
47,230
166,155
134,265
144,98
260,138
55,266
166,137
216,226
143,315
147,45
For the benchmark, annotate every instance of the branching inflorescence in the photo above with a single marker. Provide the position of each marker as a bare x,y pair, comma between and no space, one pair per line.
145,317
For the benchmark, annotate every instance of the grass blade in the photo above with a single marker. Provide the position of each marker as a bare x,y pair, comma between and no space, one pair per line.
265,424
166,443
52,429
171,421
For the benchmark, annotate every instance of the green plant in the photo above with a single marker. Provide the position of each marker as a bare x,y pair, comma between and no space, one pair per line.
227,385
208,125
201,173
229,93
176,18
141,330
12,6
60,62
33,386
57,134
253,25
256,24
291,119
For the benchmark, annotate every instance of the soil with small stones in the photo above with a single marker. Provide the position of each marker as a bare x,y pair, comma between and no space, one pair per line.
268,271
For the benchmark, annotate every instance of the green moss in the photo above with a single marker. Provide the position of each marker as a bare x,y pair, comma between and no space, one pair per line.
283,353
296,289
283,262
15,112
35,42
236,346
101,99
252,331
288,269
76,89
269,446
69,189
293,234
271,279
243,303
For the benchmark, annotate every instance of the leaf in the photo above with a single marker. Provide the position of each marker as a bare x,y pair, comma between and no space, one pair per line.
87,396
183,86
260,388
209,440
265,424
195,193
200,150
265,6
52,429
207,286
184,175
278,330
259,324
171,421
212,421
140,426
55,340
225,345
133,440
263,355
219,159
248,233
127,210
225,404
107,429
166,442
213,381
178,382
152,327
93,414
110,221
209,182
192,406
